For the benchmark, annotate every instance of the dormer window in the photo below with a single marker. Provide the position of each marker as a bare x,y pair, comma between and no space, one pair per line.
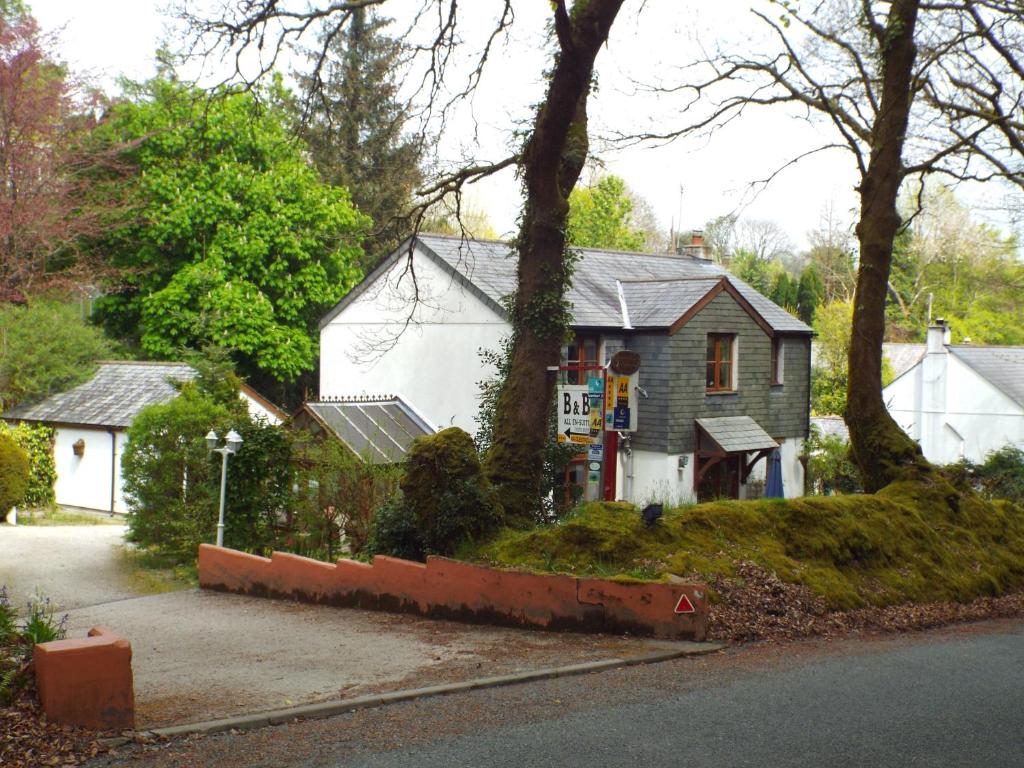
721,367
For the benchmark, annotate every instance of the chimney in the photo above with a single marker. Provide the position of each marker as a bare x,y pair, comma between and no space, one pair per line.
933,402
939,335
697,237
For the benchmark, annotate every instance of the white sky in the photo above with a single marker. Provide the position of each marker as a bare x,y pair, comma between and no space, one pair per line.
111,37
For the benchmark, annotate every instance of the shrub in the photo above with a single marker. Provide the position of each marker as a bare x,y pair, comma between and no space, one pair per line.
14,473
446,500
172,480
1000,476
337,499
830,469
395,532
36,440
17,644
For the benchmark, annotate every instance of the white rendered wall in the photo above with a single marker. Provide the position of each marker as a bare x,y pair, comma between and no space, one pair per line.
657,478
84,481
977,418
256,410
432,362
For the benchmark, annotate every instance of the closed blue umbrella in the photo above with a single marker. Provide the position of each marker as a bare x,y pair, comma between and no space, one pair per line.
773,481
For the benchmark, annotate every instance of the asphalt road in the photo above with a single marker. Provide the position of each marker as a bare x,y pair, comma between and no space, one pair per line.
951,698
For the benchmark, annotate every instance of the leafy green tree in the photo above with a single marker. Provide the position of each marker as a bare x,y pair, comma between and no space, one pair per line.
172,481
752,270
14,474
353,123
829,375
36,440
783,291
226,234
601,216
46,347
810,292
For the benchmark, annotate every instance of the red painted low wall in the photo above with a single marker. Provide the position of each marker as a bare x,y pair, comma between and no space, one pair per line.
87,682
444,588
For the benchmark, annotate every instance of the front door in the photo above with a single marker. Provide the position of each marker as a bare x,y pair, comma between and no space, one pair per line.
721,480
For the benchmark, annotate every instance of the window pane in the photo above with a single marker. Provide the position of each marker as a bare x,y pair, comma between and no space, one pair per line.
711,376
725,348
711,348
725,375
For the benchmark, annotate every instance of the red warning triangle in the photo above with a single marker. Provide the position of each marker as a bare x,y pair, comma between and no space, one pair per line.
684,605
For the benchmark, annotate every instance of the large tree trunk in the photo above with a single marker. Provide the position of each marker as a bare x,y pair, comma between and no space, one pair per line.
882,451
551,163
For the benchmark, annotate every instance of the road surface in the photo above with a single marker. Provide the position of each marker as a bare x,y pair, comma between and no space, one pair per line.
949,698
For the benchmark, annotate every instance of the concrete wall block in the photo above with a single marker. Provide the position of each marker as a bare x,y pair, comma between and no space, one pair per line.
447,588
87,682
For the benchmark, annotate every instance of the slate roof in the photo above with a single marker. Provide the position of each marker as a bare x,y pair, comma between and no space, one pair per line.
903,357
737,434
1002,366
111,398
831,426
655,287
376,429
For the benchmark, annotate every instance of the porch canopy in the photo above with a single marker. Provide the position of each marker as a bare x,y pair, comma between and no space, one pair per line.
725,436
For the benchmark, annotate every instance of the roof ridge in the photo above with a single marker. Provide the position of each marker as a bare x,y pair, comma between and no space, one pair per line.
706,278
162,363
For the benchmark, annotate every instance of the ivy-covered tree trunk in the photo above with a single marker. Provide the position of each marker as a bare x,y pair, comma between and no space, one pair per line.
882,451
551,163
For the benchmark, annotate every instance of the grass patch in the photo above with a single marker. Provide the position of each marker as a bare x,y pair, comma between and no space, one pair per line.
151,572
911,542
58,516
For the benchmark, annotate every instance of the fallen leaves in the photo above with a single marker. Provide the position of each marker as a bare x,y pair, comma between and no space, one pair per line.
757,605
29,740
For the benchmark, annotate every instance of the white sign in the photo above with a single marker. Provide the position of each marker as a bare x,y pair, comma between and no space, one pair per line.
574,418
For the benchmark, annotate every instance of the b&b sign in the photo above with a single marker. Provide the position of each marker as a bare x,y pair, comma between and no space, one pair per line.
574,419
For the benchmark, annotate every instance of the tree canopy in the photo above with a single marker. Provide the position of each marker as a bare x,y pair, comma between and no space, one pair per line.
601,215
223,231
353,121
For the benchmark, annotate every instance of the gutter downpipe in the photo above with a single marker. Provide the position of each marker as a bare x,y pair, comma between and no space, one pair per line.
113,468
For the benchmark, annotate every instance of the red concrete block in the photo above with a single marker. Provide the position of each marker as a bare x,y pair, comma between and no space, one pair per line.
301,577
231,570
87,682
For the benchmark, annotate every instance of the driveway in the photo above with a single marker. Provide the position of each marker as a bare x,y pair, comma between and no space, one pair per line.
74,565
199,655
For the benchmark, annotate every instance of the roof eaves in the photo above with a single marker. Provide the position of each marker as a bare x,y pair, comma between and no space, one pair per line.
464,279
1015,398
366,282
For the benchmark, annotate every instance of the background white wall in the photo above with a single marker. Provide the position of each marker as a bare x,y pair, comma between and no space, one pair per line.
432,361
84,481
975,417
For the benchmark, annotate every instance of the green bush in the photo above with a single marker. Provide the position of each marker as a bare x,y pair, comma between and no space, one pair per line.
36,440
445,499
172,480
830,469
1000,476
14,473
337,498
395,532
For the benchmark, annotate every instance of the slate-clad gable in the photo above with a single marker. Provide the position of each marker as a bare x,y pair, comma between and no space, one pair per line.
111,398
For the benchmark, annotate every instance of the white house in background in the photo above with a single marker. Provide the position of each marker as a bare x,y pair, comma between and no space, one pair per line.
724,372
960,400
91,426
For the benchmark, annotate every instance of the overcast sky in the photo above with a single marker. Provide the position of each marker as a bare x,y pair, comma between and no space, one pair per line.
687,183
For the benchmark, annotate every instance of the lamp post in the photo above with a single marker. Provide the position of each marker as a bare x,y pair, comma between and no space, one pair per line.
232,442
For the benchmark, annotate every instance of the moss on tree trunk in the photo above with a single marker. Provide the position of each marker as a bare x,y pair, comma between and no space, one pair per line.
881,450
551,163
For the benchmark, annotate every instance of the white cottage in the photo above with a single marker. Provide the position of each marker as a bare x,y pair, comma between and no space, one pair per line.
723,380
91,426
960,400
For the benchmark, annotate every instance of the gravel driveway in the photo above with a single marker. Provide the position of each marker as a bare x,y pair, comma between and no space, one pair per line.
74,565
201,655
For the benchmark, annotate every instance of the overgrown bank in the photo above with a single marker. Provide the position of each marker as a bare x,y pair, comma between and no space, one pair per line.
909,543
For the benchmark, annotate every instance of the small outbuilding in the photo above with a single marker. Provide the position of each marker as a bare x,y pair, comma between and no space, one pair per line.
91,426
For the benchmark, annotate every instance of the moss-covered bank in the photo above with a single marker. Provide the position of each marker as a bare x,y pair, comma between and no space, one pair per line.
912,541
